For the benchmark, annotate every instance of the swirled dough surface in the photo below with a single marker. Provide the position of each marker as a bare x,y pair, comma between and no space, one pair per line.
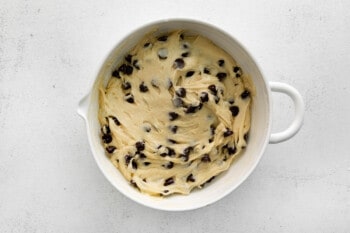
175,113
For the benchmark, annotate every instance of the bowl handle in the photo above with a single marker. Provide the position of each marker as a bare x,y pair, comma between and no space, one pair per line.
299,111
83,106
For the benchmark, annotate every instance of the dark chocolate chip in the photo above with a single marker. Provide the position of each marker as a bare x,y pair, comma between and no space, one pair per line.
206,71
204,97
236,69
126,69
231,101
173,128
135,64
234,110
221,76
126,86
134,164
170,84
189,73
146,163
116,74
169,165
106,138
115,119
190,178
173,116
105,129
110,149
181,92
128,58
228,132
178,102
191,109
144,180
217,99
140,146
186,54
221,62
160,146
146,44
142,155
238,75
171,151
172,141
213,89
184,157
206,158
185,46
129,98
166,191
127,159
212,129
162,38
245,94
211,140
169,181
143,87
188,150
133,183
246,136
231,150
179,63
181,36
200,106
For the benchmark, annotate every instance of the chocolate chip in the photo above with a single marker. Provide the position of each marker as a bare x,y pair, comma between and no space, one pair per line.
129,98
147,128
212,129
200,106
221,62
143,87
116,74
206,158
190,178
126,86
245,94
181,92
171,151
134,164
184,46
188,150
179,63
127,159
133,183
246,136
142,155
217,99
110,149
189,73
166,191
173,116
126,69
172,141
169,181
146,45
128,58
116,121
173,128
221,76
204,97
236,69
107,138
186,54
211,140
238,75
213,89
231,150
163,53
146,163
231,101
105,129
228,132
135,64
181,36
162,38
169,165
178,102
234,110
140,146
206,71
191,109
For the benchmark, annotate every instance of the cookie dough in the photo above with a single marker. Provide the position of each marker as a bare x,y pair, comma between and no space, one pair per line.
175,113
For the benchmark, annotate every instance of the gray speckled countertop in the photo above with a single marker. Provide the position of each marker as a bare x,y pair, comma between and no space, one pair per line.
49,182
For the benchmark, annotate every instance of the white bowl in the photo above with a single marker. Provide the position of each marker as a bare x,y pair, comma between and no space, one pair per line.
260,123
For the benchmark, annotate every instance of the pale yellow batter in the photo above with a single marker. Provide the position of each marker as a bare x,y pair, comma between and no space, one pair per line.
175,113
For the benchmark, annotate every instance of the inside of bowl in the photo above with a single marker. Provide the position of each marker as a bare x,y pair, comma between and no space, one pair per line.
241,167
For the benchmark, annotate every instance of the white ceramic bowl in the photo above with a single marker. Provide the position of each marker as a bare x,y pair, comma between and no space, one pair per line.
260,125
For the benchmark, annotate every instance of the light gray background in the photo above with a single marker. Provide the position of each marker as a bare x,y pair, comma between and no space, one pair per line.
49,181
